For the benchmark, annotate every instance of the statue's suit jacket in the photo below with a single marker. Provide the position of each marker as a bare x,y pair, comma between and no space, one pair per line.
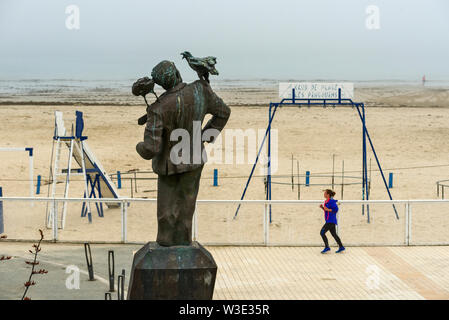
179,108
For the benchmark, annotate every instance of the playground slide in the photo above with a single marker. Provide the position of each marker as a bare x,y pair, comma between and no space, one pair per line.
108,188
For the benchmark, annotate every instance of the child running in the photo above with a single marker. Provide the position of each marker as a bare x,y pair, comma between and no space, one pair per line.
330,209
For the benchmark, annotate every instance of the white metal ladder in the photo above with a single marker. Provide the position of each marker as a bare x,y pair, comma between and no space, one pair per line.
74,145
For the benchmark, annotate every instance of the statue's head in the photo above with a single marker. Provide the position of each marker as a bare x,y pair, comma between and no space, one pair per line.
186,54
166,75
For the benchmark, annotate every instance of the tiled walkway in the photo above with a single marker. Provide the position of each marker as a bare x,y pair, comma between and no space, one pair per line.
359,273
254,272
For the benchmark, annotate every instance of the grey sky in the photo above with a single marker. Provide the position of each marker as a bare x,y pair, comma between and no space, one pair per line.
285,39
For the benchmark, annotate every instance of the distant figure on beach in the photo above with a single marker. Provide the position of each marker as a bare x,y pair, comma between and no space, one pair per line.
330,209
424,80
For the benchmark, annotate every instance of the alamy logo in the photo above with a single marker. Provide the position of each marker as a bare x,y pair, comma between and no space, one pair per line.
73,280
72,22
372,21
189,148
373,280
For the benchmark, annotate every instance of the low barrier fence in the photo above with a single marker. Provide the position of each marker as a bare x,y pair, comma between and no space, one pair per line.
294,222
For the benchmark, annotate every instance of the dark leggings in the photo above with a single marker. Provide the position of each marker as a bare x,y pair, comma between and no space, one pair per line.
330,227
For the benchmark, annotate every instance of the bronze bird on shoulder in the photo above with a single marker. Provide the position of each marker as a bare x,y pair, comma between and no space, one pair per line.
202,66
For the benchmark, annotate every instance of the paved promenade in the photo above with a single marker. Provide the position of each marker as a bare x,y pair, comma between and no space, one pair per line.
249,272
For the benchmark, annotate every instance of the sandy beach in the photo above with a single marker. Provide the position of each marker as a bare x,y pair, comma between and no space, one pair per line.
408,125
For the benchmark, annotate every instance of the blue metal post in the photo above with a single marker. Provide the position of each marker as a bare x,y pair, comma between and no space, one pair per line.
119,180
2,229
390,180
30,151
79,127
378,164
215,177
307,178
365,165
269,158
257,159
97,181
38,187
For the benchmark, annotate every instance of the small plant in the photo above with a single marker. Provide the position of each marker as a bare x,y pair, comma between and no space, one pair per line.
35,250
2,258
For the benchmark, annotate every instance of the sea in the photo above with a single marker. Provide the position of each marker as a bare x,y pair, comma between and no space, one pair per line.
118,92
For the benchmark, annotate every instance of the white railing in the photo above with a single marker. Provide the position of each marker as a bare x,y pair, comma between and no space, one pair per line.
125,202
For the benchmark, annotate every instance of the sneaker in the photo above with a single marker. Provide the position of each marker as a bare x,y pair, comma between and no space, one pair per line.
326,250
340,249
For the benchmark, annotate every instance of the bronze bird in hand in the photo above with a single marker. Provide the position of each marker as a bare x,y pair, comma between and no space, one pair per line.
202,66
142,87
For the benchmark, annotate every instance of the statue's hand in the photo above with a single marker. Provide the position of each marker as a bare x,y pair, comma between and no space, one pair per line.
142,120
209,136
210,139
143,151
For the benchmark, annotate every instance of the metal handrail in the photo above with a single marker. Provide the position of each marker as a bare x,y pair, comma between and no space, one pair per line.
236,201
124,202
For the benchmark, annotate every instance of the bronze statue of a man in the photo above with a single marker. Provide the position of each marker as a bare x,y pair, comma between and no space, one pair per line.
182,107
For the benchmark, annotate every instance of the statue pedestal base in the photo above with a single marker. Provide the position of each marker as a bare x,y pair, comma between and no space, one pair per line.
178,272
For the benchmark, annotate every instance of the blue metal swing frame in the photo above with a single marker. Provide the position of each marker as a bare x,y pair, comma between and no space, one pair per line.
293,101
